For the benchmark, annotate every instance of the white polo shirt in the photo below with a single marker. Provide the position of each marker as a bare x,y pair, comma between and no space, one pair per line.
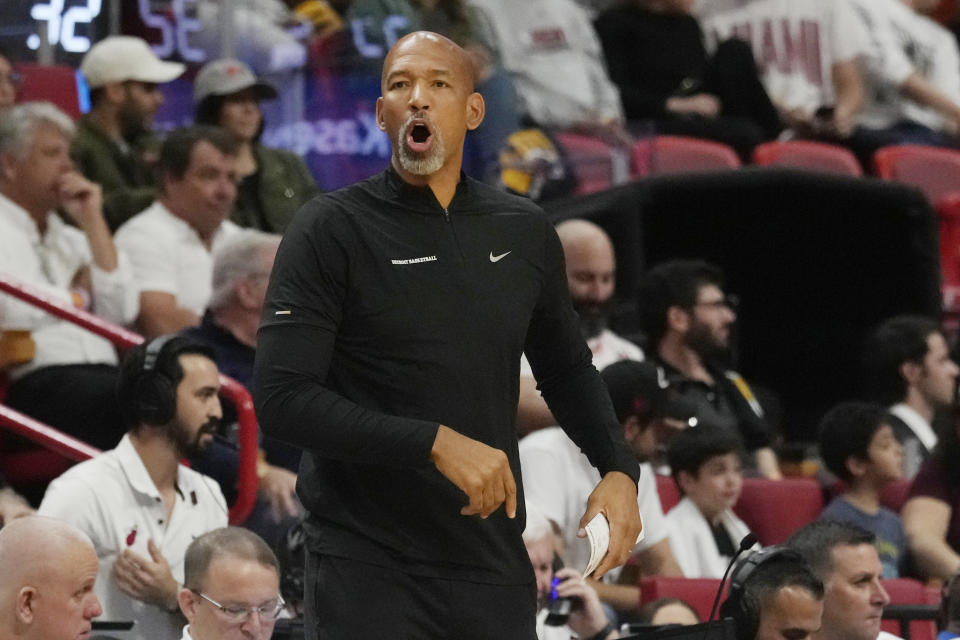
49,262
559,479
168,255
113,500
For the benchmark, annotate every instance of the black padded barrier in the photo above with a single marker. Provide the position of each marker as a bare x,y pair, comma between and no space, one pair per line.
816,261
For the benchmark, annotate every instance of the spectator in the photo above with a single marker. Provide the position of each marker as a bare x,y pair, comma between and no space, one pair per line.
672,611
559,478
172,242
137,503
705,463
656,56
47,582
554,56
688,319
230,574
591,280
273,183
913,74
77,265
114,146
775,596
844,558
931,515
241,267
586,619
907,367
859,447
817,86
9,81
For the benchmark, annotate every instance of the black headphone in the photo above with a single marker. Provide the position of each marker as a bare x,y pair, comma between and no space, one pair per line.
155,391
746,614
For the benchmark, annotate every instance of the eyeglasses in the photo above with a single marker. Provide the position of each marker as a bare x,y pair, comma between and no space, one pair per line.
268,611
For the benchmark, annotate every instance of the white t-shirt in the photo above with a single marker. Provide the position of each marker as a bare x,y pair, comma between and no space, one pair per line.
49,263
555,59
693,544
113,500
795,44
168,255
902,43
559,479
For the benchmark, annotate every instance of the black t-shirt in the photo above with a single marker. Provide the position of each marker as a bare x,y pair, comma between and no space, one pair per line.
386,316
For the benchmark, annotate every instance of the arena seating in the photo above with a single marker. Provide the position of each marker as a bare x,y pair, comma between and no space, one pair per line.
679,154
808,155
590,159
935,171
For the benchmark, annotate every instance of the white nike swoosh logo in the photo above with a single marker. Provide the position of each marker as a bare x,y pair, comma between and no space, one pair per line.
500,257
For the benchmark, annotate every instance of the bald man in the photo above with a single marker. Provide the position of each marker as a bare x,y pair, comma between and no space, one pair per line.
591,279
389,351
46,581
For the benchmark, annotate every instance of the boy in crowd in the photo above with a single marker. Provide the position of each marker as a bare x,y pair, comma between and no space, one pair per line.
858,446
705,463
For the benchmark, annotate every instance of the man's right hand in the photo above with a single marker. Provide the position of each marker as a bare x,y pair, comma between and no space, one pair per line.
480,471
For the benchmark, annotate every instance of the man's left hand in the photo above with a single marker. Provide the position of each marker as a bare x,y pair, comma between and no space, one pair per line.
146,580
616,498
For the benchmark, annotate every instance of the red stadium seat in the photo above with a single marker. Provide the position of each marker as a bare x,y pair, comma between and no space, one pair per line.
774,509
677,154
948,211
808,155
698,592
907,591
934,171
591,160
668,492
53,83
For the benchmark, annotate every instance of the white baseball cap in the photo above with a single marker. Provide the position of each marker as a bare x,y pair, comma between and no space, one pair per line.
226,76
122,58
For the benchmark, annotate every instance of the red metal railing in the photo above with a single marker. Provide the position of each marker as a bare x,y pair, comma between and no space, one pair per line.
74,449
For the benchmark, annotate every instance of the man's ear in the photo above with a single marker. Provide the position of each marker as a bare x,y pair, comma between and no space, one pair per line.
631,428
678,319
380,122
26,605
8,167
476,109
114,92
188,603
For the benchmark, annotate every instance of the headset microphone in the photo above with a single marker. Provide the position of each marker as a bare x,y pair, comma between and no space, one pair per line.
748,541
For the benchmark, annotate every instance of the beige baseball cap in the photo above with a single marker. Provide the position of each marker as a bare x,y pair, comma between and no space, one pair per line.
122,58
225,76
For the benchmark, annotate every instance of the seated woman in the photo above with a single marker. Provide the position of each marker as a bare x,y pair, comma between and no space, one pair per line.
931,516
273,183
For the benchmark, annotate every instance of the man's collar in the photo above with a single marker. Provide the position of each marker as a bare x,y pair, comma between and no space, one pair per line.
21,218
421,197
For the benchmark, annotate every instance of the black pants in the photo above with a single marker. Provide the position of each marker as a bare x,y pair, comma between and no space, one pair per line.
79,399
350,599
748,116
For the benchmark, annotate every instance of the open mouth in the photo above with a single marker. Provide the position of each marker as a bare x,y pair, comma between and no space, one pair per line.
419,137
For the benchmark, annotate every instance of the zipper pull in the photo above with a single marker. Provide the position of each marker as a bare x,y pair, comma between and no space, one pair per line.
446,214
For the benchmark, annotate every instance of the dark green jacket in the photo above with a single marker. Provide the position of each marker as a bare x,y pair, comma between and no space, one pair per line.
280,187
126,178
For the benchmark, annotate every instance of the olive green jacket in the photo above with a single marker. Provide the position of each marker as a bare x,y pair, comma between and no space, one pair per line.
125,177
285,183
